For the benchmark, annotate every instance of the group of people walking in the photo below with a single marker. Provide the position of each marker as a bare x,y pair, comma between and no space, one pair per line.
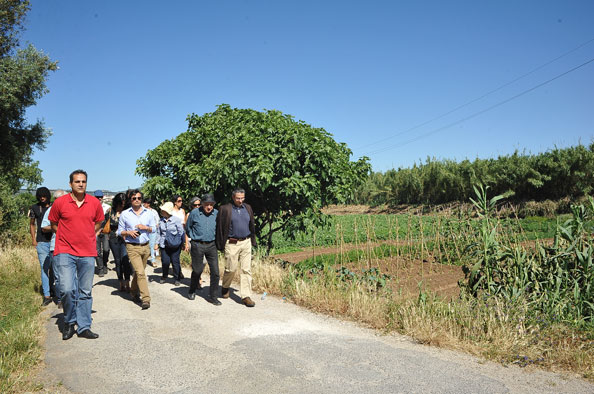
78,230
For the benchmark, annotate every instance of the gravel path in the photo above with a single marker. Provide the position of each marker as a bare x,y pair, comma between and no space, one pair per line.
183,346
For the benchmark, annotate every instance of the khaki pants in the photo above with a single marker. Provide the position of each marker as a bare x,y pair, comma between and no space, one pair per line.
138,256
239,254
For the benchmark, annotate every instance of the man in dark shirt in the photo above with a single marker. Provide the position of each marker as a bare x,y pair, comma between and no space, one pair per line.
41,240
235,236
201,228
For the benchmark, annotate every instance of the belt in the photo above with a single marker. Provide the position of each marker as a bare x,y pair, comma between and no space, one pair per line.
202,242
137,244
235,240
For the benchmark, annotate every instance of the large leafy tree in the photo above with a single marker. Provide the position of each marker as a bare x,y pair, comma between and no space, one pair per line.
23,72
289,169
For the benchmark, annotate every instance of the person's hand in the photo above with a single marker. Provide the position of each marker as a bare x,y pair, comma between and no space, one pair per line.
134,234
34,242
156,247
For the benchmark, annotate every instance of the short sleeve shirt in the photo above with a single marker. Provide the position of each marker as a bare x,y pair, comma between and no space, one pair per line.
76,225
37,212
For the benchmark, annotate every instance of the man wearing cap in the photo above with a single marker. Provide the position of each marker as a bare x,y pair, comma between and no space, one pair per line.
235,235
201,227
135,225
102,239
75,218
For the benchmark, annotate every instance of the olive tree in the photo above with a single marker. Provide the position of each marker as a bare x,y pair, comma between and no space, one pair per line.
289,169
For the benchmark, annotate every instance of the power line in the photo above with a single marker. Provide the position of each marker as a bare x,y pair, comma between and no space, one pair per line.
482,111
478,98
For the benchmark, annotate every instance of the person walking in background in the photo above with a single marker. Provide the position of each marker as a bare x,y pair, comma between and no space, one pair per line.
102,239
235,235
135,224
75,218
41,240
194,203
148,202
178,211
171,237
46,227
117,244
202,230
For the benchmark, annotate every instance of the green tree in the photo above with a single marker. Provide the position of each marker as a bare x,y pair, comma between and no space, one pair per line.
23,73
289,169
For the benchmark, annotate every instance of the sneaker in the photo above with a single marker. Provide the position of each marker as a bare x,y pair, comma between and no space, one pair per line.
247,301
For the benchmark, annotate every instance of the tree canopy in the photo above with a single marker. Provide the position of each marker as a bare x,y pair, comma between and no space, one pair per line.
289,169
23,73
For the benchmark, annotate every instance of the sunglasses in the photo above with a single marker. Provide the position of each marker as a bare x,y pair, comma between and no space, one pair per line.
179,201
136,198
197,204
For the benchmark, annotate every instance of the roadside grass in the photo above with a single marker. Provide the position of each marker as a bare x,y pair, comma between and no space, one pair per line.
505,333
20,323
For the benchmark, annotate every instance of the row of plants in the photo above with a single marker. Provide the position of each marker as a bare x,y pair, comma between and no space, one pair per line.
553,175
523,303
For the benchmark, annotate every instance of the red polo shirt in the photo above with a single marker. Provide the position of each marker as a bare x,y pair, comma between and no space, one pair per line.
76,225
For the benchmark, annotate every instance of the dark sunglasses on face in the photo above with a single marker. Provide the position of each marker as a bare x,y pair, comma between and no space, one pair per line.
179,201
197,204
136,198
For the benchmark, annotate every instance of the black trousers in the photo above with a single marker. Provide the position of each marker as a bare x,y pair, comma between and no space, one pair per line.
198,251
102,251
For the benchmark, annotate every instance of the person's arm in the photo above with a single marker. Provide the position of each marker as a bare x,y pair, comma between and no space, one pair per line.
46,225
33,230
54,227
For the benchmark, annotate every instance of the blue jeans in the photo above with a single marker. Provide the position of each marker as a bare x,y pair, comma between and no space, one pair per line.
75,275
171,256
43,253
152,240
120,256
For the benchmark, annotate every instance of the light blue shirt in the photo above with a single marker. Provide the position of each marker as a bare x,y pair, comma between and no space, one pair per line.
129,220
173,225
44,223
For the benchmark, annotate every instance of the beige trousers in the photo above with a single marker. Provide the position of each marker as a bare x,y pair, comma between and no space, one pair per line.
138,256
239,254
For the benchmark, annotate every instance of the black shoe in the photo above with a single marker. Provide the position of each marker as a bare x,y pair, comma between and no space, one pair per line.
68,331
191,296
88,334
213,301
46,301
225,292
146,305
162,280
101,273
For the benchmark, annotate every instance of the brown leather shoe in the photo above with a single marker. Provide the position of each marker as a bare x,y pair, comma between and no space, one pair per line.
247,301
225,292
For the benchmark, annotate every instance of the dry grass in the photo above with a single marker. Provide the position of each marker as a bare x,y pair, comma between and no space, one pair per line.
20,322
494,331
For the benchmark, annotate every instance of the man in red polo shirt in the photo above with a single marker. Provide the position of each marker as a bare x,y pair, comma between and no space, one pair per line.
76,217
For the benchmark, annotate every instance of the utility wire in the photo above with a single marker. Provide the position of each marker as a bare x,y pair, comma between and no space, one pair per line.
478,98
482,111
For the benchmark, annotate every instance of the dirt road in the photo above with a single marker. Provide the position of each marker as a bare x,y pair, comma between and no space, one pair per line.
183,346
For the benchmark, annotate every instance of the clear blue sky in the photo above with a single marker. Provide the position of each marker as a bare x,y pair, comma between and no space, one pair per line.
367,72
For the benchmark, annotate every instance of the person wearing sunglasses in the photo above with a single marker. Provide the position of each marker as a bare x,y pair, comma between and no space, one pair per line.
178,211
135,225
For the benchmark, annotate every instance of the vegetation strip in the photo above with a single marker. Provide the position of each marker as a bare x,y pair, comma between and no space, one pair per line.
20,323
